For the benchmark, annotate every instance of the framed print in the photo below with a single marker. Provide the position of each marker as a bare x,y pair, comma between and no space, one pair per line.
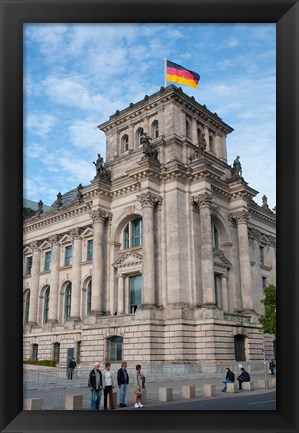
16,18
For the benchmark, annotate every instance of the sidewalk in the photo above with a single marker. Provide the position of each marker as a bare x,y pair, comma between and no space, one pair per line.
54,399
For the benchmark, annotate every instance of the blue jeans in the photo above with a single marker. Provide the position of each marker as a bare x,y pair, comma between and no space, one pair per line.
122,393
225,383
95,399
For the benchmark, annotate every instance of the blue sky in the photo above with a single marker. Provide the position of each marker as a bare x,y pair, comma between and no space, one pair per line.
76,76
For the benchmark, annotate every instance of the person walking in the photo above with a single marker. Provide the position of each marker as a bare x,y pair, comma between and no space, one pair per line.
122,381
108,385
272,367
138,386
243,377
230,378
72,366
95,384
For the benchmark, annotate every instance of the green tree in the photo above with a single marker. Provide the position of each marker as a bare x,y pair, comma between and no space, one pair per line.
268,320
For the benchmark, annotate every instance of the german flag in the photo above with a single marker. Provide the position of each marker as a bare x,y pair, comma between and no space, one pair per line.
181,75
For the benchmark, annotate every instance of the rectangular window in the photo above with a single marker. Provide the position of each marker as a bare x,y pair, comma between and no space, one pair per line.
89,249
68,256
56,352
135,292
115,348
34,353
264,282
262,256
28,265
78,352
47,265
136,233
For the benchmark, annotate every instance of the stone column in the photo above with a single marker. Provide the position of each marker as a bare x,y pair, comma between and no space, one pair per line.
225,304
54,284
218,145
194,134
146,126
34,283
121,294
98,216
131,137
148,201
207,137
76,273
241,219
204,203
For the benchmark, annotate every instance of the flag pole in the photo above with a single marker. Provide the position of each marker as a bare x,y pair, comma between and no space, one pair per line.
165,81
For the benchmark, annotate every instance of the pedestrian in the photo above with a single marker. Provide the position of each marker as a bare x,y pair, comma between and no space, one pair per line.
72,366
272,367
108,385
243,377
229,378
122,381
95,384
138,386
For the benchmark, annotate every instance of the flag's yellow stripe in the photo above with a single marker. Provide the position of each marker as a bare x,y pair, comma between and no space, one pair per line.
181,80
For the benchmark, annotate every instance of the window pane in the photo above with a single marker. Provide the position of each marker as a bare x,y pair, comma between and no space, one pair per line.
27,304
28,265
89,288
46,305
136,233
126,238
47,266
68,256
135,292
89,249
68,300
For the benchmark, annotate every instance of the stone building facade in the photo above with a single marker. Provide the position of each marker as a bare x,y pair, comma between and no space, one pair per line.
162,258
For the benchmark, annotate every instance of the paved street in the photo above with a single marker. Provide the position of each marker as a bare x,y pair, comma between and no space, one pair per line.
262,399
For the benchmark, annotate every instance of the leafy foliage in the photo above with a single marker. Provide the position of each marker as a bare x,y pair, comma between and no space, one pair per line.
45,362
268,320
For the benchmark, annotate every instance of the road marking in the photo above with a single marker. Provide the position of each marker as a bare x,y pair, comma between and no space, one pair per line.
259,402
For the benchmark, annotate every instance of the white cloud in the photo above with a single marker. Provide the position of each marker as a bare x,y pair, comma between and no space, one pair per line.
40,123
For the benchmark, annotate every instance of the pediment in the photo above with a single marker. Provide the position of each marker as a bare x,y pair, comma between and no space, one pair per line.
128,259
45,245
221,260
27,250
65,239
88,232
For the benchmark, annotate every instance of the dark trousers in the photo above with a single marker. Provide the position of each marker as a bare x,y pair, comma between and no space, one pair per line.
240,383
108,390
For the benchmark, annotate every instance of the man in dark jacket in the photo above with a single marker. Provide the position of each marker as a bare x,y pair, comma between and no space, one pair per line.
95,384
122,381
243,377
230,378
72,366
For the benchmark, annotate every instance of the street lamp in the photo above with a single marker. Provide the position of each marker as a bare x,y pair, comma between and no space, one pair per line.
265,365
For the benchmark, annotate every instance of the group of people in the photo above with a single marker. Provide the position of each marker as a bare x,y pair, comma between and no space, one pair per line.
104,380
244,376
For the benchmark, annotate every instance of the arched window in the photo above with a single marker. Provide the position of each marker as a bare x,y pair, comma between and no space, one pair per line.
56,351
26,307
239,341
46,304
215,236
115,348
125,143
68,302
89,289
132,234
155,129
139,134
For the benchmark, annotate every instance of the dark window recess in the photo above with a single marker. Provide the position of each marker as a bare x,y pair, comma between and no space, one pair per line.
239,348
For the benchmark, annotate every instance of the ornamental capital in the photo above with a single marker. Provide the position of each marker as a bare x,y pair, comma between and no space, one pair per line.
202,200
34,245
53,239
149,199
241,217
99,215
75,233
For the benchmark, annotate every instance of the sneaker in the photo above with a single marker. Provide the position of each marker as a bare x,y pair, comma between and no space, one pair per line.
136,405
121,405
124,405
140,405
223,390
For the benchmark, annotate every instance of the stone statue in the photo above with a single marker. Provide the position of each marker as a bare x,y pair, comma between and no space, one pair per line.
202,144
79,193
265,202
101,170
40,206
236,171
59,199
147,148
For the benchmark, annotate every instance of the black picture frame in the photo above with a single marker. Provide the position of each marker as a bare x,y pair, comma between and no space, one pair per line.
13,14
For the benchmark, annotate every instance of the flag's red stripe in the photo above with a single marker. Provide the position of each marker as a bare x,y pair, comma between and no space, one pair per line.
181,73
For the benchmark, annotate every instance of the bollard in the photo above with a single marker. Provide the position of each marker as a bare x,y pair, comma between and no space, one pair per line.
273,382
165,394
260,384
232,388
188,391
33,404
209,389
114,400
73,402
248,386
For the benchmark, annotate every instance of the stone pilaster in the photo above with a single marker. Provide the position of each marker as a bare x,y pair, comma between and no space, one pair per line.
98,217
76,273
121,294
34,284
204,202
225,304
241,218
131,137
54,284
218,145
194,134
148,202
207,137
